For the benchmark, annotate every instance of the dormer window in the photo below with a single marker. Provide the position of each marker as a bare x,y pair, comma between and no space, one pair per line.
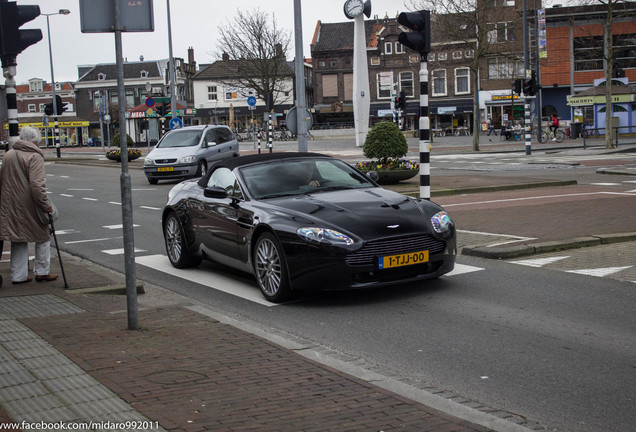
101,76
144,74
58,86
36,86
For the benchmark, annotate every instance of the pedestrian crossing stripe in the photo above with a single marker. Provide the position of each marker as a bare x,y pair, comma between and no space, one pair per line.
539,262
599,272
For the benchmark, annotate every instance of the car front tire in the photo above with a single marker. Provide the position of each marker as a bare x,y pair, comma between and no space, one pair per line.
202,168
176,248
270,269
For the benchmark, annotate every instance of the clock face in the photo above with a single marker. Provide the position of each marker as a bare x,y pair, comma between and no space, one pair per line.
353,8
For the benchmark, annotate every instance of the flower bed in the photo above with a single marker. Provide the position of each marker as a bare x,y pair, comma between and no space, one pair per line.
392,171
116,154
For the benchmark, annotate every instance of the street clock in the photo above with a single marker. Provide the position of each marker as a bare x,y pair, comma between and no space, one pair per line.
353,8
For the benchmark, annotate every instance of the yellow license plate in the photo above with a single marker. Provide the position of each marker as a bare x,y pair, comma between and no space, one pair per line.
402,259
165,169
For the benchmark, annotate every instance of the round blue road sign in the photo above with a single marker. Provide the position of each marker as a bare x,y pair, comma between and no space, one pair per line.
251,101
150,102
176,123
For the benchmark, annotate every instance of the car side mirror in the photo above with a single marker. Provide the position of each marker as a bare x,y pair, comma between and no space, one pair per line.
215,192
373,175
210,144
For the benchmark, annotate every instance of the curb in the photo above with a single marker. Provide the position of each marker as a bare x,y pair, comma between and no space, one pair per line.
615,172
502,252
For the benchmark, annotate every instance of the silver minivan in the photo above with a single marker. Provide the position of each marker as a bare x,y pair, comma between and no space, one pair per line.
189,151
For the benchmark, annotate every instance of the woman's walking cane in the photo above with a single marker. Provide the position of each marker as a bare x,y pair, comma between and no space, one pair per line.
58,249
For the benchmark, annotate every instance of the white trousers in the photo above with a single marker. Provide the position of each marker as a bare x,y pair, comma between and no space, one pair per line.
20,260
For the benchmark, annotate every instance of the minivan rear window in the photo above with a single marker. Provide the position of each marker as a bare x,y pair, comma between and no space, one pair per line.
181,138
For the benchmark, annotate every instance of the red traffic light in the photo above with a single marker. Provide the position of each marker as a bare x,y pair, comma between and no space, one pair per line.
420,38
13,39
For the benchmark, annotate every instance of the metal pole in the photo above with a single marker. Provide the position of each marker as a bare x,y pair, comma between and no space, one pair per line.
12,101
173,96
55,122
270,129
425,133
126,194
301,104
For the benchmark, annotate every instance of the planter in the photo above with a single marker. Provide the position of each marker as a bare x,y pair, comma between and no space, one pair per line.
116,156
395,176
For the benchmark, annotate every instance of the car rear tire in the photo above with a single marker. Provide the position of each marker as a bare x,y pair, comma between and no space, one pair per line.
270,269
202,168
175,244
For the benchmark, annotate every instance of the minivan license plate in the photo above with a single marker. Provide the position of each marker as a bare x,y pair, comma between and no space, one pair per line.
402,259
165,169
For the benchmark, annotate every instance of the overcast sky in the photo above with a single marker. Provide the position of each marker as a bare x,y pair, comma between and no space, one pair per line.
194,24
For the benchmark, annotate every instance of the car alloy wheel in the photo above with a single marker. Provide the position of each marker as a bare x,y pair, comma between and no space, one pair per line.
175,244
202,169
271,269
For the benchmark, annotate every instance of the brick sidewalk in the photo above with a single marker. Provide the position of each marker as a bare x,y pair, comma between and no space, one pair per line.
190,372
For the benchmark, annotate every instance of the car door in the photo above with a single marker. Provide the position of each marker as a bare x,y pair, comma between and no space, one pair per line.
210,145
218,220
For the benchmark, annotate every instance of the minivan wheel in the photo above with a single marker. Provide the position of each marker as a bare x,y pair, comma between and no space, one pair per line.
202,169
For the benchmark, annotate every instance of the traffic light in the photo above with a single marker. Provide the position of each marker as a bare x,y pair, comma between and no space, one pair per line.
401,101
617,71
530,85
48,109
61,106
517,85
420,38
14,40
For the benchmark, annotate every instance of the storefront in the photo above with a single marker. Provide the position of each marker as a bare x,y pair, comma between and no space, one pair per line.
505,108
72,133
589,107
451,116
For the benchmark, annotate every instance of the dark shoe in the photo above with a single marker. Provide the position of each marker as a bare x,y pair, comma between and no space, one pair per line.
45,278
24,281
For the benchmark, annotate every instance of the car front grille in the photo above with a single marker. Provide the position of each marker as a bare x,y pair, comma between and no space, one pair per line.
165,161
373,249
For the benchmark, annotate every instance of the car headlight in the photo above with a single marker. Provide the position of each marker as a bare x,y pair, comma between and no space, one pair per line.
324,234
187,159
148,161
441,222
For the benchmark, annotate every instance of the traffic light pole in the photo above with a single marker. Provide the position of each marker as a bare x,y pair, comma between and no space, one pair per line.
425,133
12,102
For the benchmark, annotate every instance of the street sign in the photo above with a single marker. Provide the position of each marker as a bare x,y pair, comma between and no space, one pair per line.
251,101
150,102
291,119
150,112
176,123
251,107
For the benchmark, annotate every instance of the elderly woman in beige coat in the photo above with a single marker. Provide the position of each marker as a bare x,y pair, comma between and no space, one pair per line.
18,220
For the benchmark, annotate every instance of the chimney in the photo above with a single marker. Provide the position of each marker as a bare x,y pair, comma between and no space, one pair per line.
191,55
226,56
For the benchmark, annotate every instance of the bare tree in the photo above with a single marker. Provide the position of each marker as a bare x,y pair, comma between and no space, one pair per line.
257,49
468,22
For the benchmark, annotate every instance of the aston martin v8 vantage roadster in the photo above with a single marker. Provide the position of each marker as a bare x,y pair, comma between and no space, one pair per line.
301,221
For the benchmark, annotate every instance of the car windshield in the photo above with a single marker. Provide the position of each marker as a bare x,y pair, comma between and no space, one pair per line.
181,138
296,177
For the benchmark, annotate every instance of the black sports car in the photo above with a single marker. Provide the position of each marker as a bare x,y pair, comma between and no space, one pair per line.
305,221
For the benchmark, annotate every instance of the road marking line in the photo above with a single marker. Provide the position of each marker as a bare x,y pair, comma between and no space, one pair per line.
120,251
91,240
605,184
463,269
67,195
150,208
113,227
539,262
73,189
514,238
114,202
207,278
599,272
68,231
90,199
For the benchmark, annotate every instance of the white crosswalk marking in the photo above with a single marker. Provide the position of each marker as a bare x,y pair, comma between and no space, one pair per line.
539,262
600,272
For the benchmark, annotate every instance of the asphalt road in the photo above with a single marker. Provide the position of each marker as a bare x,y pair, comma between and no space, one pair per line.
551,346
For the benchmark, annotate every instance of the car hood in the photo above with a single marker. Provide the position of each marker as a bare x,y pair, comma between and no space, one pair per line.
171,152
370,212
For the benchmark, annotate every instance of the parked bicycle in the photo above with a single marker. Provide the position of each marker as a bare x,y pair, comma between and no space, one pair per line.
543,135
590,133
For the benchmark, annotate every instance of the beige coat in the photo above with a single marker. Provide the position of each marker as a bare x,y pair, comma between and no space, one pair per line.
18,221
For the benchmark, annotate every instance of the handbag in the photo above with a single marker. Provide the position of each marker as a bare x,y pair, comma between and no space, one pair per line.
43,217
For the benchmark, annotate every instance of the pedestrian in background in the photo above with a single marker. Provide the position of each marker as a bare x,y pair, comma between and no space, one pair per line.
22,188
491,127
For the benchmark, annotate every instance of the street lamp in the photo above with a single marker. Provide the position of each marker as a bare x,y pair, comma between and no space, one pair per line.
48,31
